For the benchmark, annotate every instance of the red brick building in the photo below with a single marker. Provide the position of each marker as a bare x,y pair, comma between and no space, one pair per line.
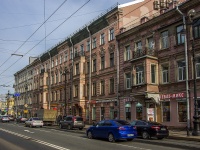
153,67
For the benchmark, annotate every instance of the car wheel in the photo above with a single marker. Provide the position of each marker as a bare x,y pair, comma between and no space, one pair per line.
89,135
129,139
145,135
160,138
80,128
69,127
41,126
25,125
31,126
111,137
60,126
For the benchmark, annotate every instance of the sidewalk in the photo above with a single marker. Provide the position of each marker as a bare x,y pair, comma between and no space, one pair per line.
173,134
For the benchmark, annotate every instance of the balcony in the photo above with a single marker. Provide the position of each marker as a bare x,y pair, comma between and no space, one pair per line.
144,52
78,54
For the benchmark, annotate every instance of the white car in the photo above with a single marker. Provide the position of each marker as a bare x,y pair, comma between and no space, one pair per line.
34,122
4,119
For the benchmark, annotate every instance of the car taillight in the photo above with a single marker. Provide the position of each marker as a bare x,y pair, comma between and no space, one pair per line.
155,127
74,119
121,128
134,127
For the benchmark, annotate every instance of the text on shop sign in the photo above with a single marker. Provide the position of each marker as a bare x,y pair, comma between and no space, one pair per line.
175,95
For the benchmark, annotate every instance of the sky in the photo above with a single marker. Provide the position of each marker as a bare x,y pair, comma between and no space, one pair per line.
23,31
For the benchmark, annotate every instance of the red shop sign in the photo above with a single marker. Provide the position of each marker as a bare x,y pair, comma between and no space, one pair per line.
174,95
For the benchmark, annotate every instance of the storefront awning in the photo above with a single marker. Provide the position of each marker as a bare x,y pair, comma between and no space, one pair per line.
154,97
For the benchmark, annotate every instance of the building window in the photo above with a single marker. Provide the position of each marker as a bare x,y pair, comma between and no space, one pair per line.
182,111
111,59
60,59
165,74
128,80
198,67
112,113
180,38
94,92
52,81
94,43
127,53
75,52
166,111
52,63
138,48
56,61
164,40
66,56
112,85
111,34
128,111
93,113
77,68
56,78
181,70
88,67
139,75
102,62
102,87
153,73
88,89
88,45
196,28
102,39
76,91
94,65
82,50
150,43
60,79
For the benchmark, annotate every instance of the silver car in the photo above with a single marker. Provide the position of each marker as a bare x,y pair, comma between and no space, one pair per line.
5,119
34,122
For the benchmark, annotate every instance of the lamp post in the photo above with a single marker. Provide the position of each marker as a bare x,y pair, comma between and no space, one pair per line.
65,106
196,122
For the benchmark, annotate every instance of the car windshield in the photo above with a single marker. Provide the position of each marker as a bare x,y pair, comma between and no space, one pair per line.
36,119
79,119
121,122
154,123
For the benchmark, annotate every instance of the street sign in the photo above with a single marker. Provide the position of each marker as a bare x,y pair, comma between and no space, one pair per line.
26,105
26,111
17,94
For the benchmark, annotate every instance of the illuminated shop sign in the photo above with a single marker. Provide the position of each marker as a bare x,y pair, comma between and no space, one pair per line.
172,96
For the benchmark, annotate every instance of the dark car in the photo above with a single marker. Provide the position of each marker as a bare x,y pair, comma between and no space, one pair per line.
21,119
148,129
112,130
71,122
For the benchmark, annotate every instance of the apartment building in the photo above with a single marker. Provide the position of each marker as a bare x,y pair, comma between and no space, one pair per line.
80,75
153,65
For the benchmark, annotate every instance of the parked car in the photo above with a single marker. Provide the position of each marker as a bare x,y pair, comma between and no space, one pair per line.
34,122
112,130
71,122
148,129
4,119
21,119
11,117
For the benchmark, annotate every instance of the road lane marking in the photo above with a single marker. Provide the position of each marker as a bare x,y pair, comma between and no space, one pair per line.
35,140
28,131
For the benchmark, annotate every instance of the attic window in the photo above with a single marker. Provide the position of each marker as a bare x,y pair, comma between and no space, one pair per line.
144,19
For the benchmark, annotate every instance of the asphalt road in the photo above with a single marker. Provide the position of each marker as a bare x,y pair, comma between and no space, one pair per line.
17,137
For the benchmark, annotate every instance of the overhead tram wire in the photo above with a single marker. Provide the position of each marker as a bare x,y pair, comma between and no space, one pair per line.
34,32
47,36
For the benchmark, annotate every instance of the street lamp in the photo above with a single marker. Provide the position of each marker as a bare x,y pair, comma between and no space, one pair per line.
65,74
196,130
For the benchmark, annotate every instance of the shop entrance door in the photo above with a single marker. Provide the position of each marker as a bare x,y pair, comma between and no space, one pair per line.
151,111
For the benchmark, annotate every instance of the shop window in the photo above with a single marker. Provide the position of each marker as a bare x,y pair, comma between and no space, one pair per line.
94,113
166,111
112,113
102,113
139,111
128,111
182,111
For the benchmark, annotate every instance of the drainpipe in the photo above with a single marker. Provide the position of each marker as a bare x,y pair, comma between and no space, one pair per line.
50,81
118,100
72,75
90,73
186,63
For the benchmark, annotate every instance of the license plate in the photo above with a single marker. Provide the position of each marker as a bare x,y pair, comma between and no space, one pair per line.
130,134
163,129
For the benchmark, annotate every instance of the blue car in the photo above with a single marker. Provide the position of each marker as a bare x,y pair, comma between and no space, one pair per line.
112,130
